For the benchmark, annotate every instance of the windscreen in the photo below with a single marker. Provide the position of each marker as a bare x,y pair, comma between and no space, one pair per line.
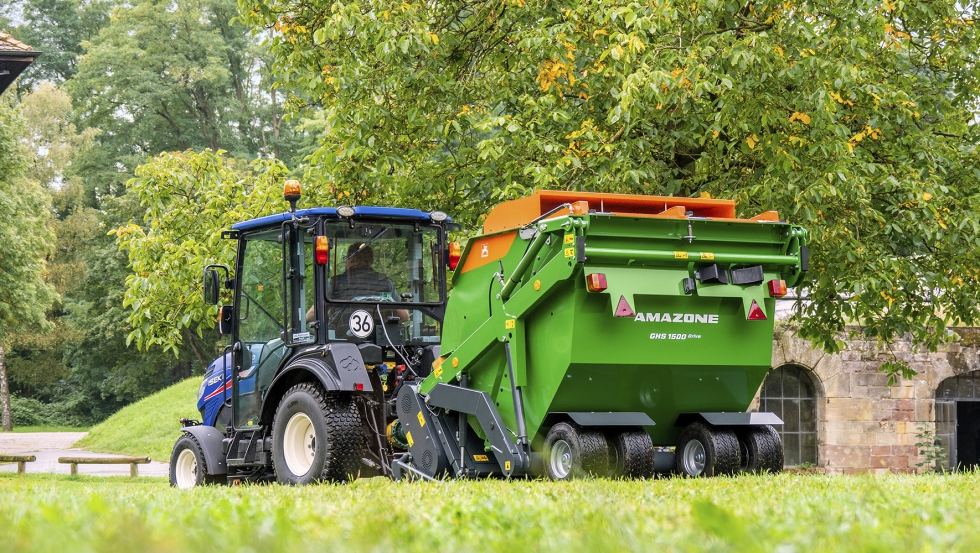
383,262
380,278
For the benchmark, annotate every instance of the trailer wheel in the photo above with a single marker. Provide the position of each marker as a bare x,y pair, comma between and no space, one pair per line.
188,468
761,449
630,454
316,435
704,450
571,451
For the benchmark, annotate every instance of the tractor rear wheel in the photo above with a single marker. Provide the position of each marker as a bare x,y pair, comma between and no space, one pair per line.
188,468
761,449
705,450
316,435
630,454
571,451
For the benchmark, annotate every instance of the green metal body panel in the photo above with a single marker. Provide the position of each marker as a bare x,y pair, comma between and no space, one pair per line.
678,354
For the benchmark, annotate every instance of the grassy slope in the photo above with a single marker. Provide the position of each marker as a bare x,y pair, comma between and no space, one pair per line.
148,427
803,513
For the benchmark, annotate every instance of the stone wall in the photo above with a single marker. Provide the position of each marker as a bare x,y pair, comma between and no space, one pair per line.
864,425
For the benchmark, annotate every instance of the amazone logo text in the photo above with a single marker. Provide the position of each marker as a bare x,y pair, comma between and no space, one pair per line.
676,318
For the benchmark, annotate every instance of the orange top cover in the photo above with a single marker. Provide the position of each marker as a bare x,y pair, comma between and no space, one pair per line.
519,212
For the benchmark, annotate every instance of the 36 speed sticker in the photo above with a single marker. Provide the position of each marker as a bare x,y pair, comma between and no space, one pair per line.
361,323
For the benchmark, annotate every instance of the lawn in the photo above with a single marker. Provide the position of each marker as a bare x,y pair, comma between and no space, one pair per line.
788,512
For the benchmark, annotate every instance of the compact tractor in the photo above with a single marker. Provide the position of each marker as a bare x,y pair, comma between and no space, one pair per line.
585,334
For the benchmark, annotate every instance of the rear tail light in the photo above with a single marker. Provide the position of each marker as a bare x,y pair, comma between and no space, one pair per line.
455,252
596,282
359,387
624,309
322,250
755,312
777,288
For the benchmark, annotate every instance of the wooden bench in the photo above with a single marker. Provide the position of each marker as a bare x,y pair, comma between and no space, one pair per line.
21,461
133,462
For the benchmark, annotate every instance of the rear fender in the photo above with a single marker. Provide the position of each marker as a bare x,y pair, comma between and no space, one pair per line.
210,440
337,367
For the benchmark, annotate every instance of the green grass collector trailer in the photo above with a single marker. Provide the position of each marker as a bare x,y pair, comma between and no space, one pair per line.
585,334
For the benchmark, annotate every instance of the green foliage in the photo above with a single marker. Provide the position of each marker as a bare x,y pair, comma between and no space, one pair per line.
856,120
57,28
147,427
166,76
24,238
30,412
931,449
783,513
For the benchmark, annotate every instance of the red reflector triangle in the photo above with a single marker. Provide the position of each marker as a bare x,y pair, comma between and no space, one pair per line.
755,312
624,309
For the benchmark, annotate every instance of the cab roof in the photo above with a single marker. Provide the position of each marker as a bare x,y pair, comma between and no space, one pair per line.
410,215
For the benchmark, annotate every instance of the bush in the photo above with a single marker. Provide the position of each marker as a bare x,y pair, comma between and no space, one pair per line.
27,411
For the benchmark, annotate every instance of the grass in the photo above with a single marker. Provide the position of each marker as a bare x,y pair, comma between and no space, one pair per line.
27,429
148,427
805,513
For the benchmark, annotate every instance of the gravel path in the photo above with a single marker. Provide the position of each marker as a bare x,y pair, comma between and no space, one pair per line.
48,446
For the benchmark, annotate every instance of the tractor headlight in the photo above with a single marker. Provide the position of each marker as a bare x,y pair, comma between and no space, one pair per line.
200,391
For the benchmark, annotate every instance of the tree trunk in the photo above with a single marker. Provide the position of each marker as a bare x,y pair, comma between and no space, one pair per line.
8,425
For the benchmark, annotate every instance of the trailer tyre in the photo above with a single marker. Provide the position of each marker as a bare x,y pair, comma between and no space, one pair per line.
571,451
761,449
316,435
188,469
631,454
704,450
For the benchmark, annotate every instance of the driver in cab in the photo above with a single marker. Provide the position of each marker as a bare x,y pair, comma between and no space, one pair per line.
360,280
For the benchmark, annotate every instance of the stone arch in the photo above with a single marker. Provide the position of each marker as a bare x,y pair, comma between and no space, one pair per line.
791,392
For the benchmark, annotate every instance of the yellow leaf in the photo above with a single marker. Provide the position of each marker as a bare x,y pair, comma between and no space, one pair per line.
801,117
434,37
705,195
752,141
715,133
926,196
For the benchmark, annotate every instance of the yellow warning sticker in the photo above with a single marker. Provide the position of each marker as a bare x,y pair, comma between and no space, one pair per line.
507,465
438,371
510,323
680,255
707,256
569,238
569,252
408,438
421,419
481,458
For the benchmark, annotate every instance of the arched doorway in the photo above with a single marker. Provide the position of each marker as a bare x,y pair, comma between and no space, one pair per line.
790,392
958,419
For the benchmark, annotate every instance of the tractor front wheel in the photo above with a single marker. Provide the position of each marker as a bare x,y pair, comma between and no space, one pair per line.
316,435
705,450
571,451
188,468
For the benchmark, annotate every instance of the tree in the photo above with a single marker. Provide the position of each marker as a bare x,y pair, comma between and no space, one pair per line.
58,28
189,198
24,242
854,119
170,76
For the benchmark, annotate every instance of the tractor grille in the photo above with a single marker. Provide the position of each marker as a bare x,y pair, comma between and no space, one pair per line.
405,403
427,459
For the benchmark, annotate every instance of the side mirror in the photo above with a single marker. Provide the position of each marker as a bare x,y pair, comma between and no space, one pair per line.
211,287
226,319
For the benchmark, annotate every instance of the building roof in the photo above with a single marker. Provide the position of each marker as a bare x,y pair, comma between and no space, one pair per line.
15,56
